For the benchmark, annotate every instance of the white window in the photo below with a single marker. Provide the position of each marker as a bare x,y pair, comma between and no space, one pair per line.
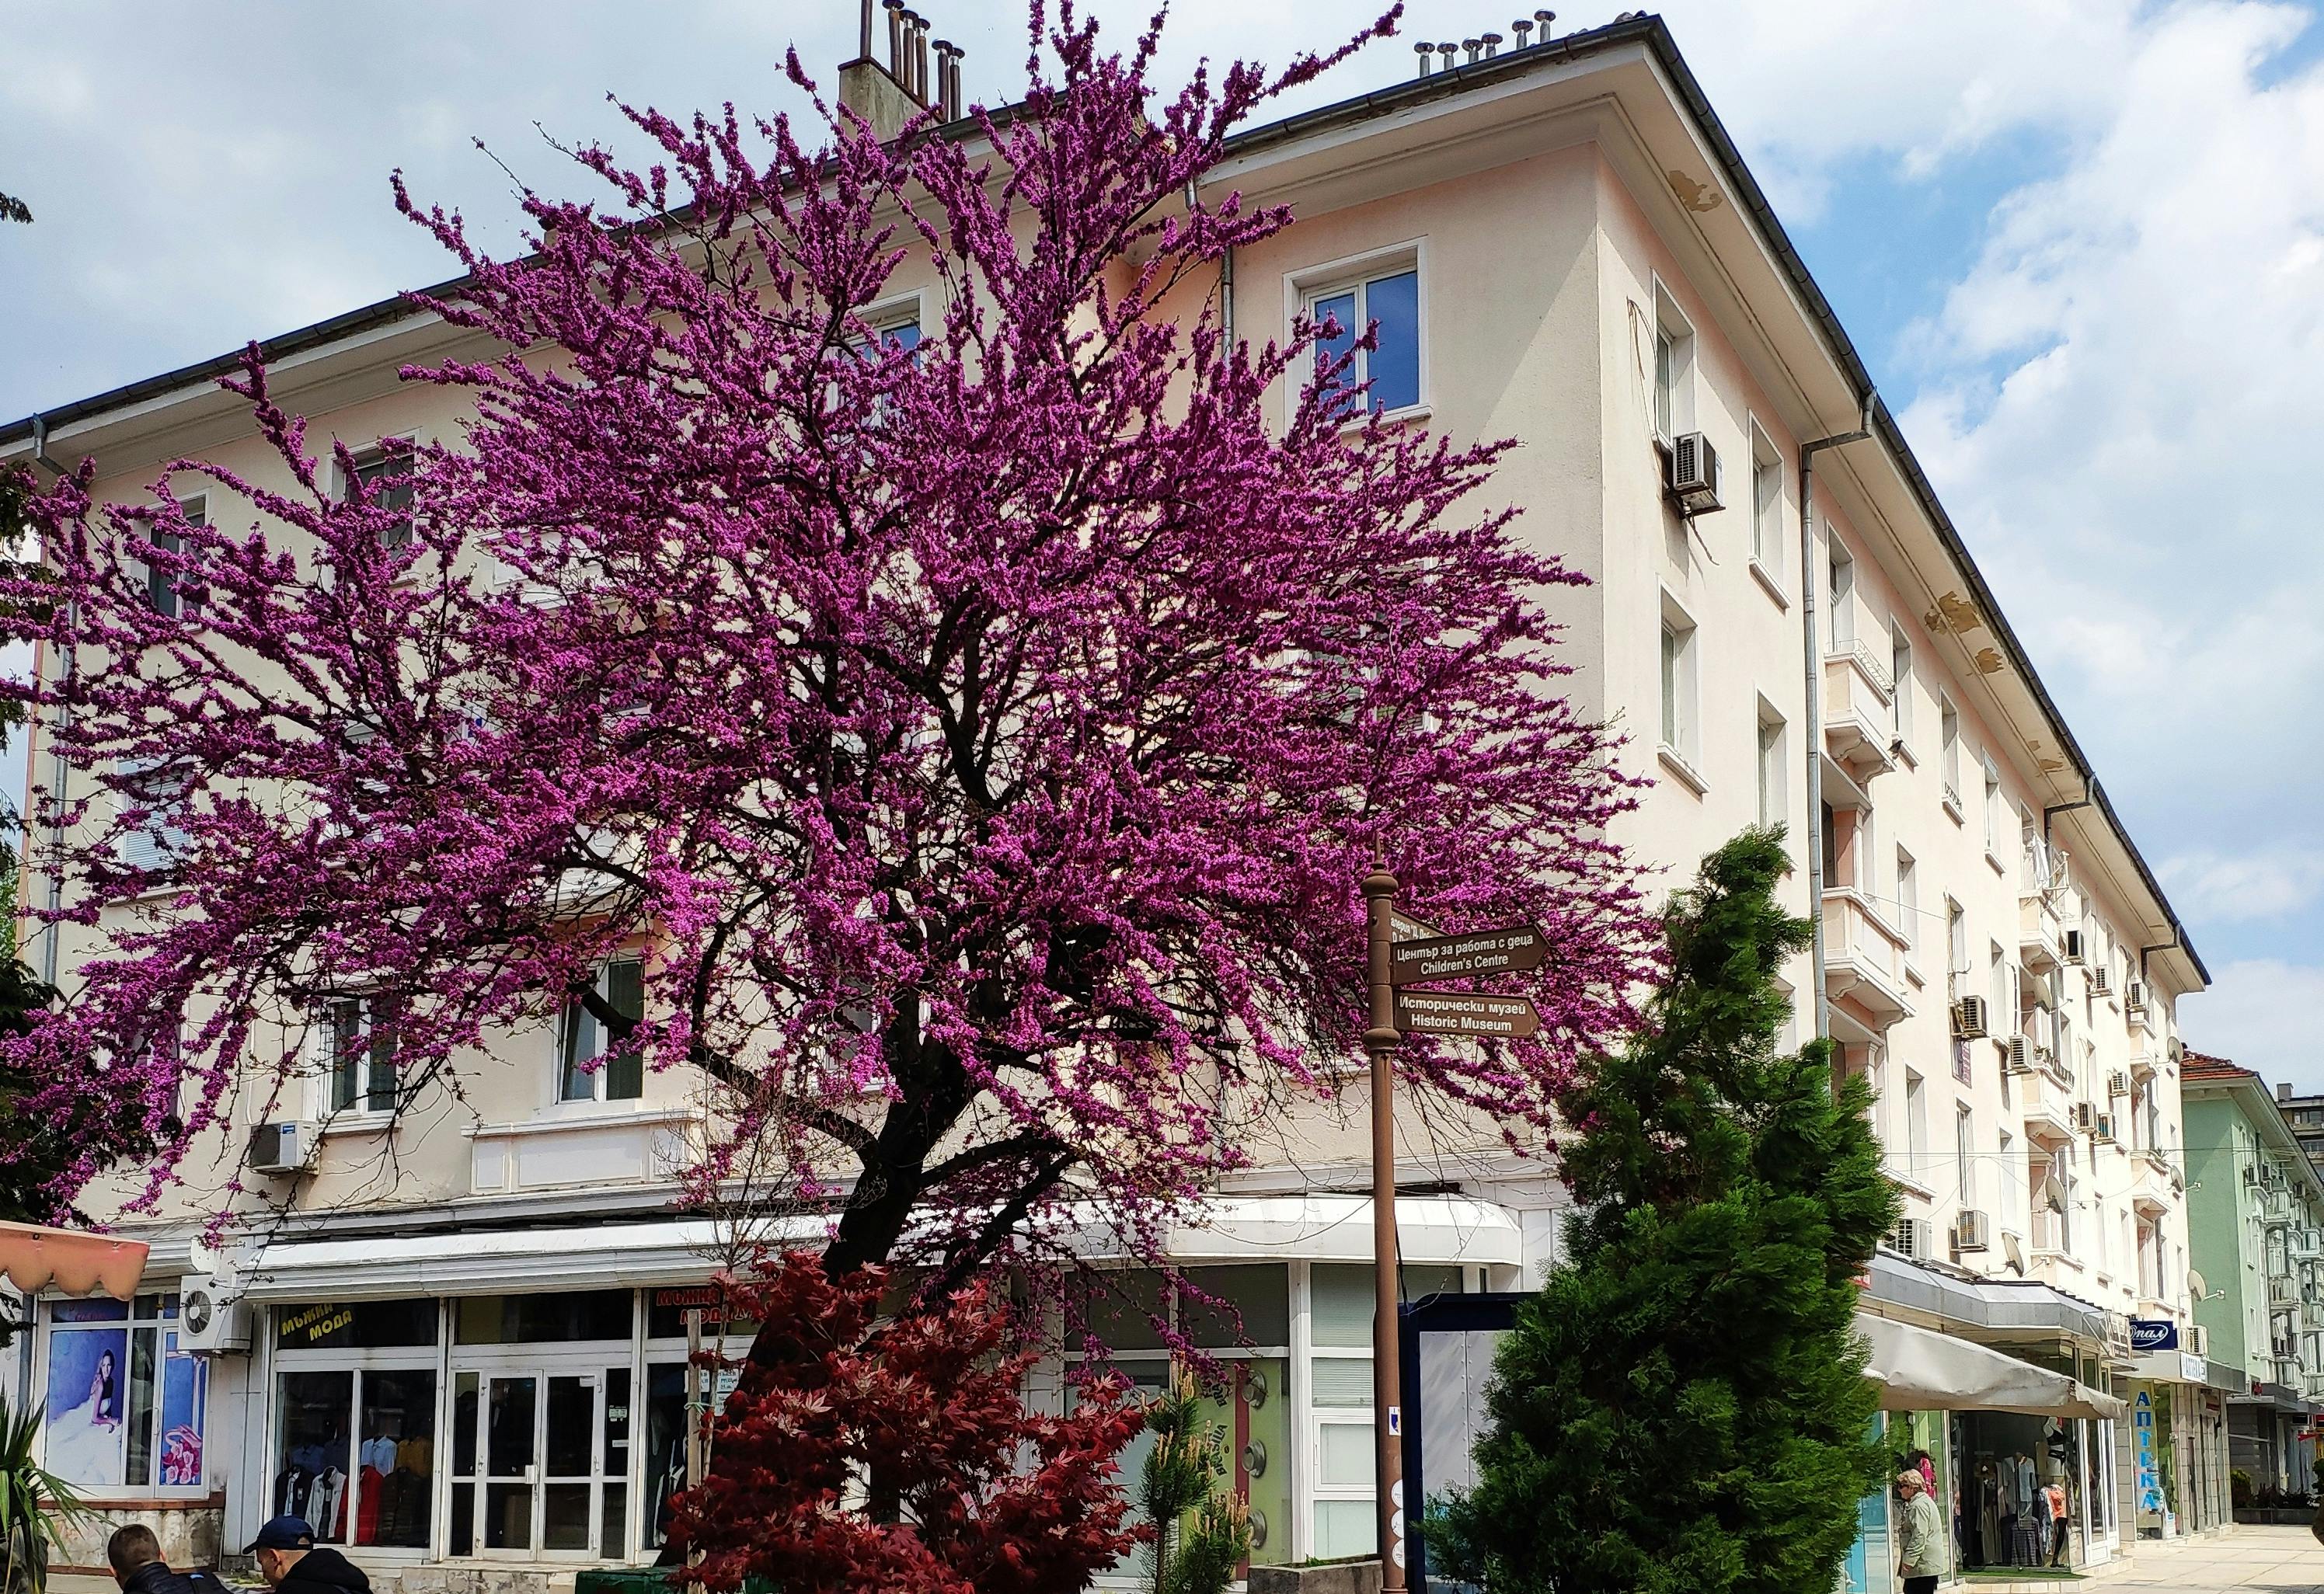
1900,666
1908,901
152,801
1383,298
1995,827
1767,504
1340,1393
2011,1175
586,1069
1680,685
385,473
1840,588
360,1031
1949,758
2003,992
1673,367
128,1410
1916,1128
1772,766
1965,1155
1957,946
163,587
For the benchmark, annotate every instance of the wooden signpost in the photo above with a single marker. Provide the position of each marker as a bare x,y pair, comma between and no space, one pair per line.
1401,952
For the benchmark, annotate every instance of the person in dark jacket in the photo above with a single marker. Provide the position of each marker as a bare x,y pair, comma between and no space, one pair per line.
292,1564
136,1557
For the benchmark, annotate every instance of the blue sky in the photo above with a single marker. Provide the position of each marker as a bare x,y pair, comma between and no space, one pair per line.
2081,243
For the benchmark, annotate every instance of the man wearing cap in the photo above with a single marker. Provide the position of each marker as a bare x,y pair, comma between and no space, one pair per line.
292,1564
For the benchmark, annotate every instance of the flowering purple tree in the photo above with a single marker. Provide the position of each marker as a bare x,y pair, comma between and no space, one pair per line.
982,731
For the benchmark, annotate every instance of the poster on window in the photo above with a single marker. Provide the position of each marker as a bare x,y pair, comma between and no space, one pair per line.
185,1398
89,1390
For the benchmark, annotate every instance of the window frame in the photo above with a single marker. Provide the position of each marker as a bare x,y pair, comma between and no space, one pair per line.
386,448
1308,285
377,1010
1768,515
1671,387
1771,745
160,1321
1679,691
160,845
562,1059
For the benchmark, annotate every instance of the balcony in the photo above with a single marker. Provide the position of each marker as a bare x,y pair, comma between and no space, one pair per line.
2047,1106
596,1148
2040,938
2282,1290
1858,712
2154,1182
1864,958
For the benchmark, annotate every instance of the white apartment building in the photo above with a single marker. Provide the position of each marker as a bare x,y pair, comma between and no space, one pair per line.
1560,244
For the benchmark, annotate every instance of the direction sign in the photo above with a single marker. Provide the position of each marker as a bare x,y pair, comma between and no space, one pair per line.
1457,1012
1403,926
1458,957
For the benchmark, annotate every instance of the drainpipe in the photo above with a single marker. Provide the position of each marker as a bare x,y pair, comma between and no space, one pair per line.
60,770
2089,797
1812,647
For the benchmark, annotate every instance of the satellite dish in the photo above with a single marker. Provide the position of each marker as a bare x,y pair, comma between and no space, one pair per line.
2195,1284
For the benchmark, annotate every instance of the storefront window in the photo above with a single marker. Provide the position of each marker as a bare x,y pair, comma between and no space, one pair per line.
314,1411
359,1325
526,1319
665,1438
355,1420
127,1407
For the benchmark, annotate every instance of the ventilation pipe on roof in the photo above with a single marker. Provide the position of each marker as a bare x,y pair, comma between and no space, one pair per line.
1424,51
1448,50
1813,731
1492,42
1544,18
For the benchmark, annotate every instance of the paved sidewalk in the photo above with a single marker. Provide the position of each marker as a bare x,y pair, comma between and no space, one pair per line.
2247,1560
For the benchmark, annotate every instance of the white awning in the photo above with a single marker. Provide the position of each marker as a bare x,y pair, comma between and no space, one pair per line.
1921,1371
1434,1229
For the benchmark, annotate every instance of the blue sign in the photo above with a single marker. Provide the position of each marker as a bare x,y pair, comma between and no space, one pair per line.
2149,1333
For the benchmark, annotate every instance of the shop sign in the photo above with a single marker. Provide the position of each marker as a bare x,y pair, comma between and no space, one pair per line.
2154,1334
2193,1368
2150,1469
310,1325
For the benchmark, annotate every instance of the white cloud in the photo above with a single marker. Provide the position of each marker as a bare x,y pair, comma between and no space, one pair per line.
2231,888
2261,1013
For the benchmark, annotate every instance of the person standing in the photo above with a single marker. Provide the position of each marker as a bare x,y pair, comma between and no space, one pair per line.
1920,1535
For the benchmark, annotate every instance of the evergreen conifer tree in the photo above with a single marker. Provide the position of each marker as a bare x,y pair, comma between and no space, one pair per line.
1682,1407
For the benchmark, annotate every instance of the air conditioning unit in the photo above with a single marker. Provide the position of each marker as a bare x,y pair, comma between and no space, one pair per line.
1913,1237
274,1148
2101,982
2195,1339
2073,946
208,1320
2102,1126
1972,1230
1690,474
2118,1083
2020,1059
2086,1116
1969,1018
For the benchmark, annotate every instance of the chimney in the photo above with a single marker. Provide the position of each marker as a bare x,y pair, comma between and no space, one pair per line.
889,95
1448,50
1544,18
1492,44
2284,1092
1424,51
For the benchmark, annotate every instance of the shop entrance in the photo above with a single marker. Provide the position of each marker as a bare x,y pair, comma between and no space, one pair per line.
541,1461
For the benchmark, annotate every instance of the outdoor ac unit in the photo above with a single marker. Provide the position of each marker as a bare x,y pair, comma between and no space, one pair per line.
2101,982
2118,1083
2101,1126
274,1148
2073,946
1691,476
207,1319
1972,1230
2021,1055
1913,1237
2086,1116
1969,1018
2195,1339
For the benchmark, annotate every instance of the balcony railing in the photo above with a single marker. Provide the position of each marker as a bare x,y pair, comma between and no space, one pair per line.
2040,938
1864,956
2047,1106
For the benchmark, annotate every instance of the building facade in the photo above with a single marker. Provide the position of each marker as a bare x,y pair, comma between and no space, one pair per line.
2306,1116
2257,1214
459,1347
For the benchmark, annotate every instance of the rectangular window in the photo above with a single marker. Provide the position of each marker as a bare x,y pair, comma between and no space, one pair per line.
1916,1128
153,800
1956,941
127,1408
1908,901
384,474
162,586
585,1072
1949,758
1900,669
1965,1155
1772,809
1388,304
1993,810
1767,503
363,1054
2003,994
1674,368
356,1453
2010,1175
1681,687
1840,589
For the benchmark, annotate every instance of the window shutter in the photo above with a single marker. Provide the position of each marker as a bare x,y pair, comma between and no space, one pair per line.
625,1072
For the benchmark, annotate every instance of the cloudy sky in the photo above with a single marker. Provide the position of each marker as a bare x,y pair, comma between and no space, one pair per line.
2080,242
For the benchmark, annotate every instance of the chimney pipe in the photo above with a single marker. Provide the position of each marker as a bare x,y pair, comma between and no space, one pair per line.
896,40
948,79
1492,45
865,53
1423,50
1447,50
1521,27
1473,46
1544,18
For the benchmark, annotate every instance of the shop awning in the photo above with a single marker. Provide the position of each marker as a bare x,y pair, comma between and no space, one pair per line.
1317,1228
1921,1371
36,1258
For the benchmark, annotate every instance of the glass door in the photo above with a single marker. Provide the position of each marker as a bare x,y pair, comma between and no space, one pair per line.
512,1413
569,1424
541,1463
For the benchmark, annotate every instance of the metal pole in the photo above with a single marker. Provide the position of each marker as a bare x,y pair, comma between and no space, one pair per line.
1380,1041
